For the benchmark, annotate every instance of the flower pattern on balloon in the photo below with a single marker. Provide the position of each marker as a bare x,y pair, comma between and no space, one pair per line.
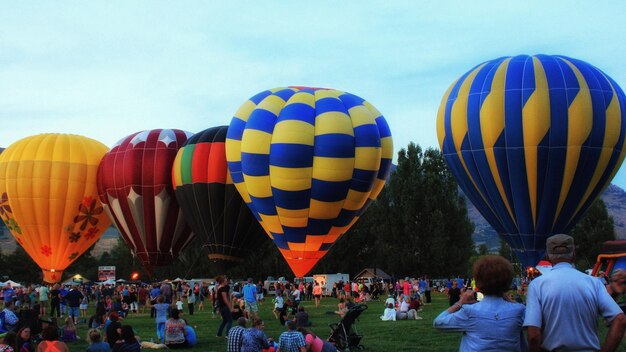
88,210
73,256
46,250
91,233
74,237
5,208
13,226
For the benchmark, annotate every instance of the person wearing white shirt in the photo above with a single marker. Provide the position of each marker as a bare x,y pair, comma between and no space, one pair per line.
389,314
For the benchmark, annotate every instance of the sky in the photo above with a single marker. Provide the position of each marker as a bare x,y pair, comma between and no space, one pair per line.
106,69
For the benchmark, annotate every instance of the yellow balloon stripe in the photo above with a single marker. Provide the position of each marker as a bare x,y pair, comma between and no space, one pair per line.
612,132
536,124
579,126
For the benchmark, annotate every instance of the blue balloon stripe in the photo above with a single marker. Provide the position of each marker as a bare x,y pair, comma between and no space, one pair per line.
329,104
366,136
327,191
292,200
280,240
528,78
363,180
319,226
351,100
383,127
297,112
291,155
384,169
264,205
325,246
295,234
259,97
571,82
235,130
334,145
345,217
261,120
255,164
285,93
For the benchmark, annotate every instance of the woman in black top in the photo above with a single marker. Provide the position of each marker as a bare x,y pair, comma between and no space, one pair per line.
223,304
55,301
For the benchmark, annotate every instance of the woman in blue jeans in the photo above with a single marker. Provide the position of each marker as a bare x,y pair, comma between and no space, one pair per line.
223,304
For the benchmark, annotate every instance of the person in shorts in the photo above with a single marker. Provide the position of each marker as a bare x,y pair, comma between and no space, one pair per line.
259,292
249,297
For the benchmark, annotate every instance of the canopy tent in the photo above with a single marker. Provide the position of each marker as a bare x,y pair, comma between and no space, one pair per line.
77,279
108,282
13,283
372,272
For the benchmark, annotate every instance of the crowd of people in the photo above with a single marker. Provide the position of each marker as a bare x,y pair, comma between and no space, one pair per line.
559,313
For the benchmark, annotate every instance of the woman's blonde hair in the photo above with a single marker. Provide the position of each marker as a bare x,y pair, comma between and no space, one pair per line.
94,335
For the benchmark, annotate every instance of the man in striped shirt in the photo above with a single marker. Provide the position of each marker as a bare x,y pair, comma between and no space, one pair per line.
291,340
235,336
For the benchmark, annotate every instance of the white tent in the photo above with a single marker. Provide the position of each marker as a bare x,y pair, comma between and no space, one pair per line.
13,283
108,282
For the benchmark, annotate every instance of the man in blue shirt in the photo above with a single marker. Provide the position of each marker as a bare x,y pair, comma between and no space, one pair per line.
154,294
562,306
8,292
291,340
249,297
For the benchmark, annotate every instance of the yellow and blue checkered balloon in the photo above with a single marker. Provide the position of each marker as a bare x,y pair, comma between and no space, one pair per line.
533,141
308,162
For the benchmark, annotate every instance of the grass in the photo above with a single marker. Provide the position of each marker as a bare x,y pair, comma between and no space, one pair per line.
378,335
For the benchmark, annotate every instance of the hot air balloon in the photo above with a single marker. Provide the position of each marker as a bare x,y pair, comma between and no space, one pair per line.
532,141
209,200
135,186
49,199
308,162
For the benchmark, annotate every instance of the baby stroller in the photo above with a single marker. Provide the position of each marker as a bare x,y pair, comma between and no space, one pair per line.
344,334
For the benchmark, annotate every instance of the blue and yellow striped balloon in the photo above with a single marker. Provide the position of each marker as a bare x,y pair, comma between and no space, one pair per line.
308,162
532,140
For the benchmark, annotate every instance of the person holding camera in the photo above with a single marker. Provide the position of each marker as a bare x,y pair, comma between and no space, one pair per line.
494,323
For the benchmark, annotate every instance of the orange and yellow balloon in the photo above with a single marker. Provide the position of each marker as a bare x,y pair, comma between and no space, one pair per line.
49,199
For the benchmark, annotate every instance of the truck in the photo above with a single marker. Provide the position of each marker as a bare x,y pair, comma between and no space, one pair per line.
328,280
269,284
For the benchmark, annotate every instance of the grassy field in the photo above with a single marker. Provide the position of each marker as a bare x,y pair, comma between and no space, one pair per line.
378,335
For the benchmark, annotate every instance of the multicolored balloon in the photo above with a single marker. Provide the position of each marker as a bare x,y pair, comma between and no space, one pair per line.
210,203
533,141
135,185
49,199
308,162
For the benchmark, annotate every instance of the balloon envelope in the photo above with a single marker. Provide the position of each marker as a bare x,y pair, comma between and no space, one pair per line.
49,199
135,185
210,203
308,162
532,140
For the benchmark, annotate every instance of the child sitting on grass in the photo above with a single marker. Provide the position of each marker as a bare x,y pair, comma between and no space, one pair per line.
69,331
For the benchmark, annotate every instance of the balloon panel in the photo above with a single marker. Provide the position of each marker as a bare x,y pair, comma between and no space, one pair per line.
135,185
48,198
209,200
308,162
532,140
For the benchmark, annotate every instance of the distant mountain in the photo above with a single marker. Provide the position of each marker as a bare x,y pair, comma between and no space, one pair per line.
614,197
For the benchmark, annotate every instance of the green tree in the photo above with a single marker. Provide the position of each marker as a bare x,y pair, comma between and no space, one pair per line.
593,229
418,224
